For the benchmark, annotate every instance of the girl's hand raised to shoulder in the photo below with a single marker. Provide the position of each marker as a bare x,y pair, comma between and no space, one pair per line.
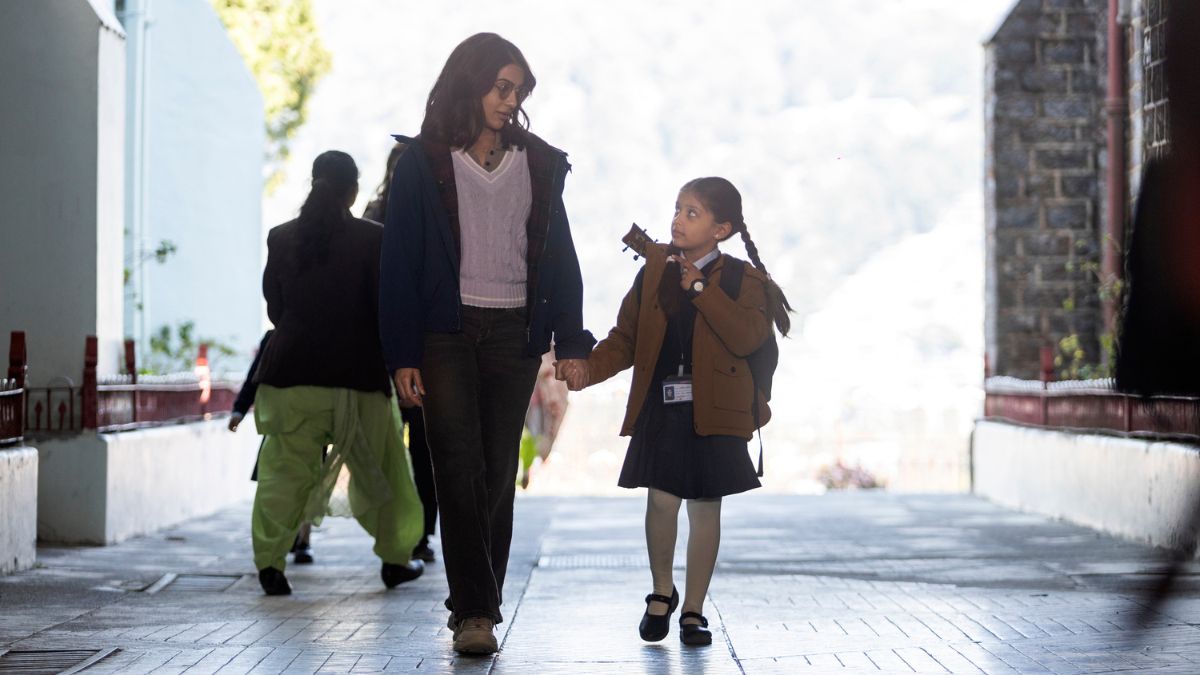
689,273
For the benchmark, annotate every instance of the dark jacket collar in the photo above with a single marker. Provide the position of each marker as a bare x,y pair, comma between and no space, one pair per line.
548,167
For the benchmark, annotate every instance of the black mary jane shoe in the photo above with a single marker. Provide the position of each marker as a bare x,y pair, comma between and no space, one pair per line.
695,634
655,627
394,575
274,582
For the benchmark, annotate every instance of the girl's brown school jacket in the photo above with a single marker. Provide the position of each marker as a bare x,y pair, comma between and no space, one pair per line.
726,331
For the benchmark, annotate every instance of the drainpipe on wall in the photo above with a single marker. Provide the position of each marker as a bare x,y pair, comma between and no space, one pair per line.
135,15
1117,107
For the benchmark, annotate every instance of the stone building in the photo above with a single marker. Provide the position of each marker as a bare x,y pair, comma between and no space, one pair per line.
125,122
1054,130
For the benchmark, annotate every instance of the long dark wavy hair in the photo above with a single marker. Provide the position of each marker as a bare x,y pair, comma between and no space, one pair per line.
723,200
334,179
377,209
453,112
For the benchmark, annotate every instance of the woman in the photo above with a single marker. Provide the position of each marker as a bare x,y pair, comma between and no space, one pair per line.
322,382
478,275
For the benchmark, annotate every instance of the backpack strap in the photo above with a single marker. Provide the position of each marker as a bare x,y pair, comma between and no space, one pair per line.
731,282
731,277
757,430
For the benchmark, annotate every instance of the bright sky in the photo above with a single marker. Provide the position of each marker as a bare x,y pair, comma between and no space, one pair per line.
846,125
854,130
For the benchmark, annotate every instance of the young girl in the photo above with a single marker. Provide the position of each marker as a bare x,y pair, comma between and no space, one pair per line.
691,406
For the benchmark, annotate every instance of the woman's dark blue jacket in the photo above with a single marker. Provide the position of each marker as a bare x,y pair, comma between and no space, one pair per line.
419,276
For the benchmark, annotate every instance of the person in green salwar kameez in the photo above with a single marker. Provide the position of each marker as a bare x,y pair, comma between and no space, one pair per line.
297,422
323,383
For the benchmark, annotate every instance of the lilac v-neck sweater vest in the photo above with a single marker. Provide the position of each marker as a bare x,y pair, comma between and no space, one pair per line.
493,208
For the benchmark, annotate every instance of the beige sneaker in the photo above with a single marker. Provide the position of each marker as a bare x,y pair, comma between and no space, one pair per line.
475,636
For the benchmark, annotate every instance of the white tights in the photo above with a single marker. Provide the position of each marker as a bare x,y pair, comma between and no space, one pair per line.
704,538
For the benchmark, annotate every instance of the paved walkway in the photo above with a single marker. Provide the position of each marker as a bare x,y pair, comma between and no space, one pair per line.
840,583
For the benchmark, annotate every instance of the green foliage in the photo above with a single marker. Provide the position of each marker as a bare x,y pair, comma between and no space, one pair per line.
1073,362
174,350
160,254
165,249
279,41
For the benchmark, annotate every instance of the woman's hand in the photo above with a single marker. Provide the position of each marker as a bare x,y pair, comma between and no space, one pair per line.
409,386
689,273
235,419
575,372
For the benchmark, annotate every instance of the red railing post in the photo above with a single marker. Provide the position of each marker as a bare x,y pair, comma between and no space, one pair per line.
91,395
18,366
131,360
1047,355
1047,363
131,370
12,408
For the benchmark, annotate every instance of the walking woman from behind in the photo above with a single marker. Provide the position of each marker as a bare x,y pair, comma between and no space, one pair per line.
479,275
692,404
322,382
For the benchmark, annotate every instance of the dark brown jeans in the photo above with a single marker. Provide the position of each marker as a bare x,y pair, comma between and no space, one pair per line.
477,388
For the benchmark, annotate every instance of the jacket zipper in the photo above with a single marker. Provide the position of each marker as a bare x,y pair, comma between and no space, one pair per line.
542,256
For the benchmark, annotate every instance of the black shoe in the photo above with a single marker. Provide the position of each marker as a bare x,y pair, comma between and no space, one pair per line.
695,634
394,575
654,627
423,553
302,554
273,582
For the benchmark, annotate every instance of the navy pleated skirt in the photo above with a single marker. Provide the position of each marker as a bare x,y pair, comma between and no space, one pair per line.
666,453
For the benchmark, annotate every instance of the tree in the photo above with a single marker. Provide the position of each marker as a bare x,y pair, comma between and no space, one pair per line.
279,41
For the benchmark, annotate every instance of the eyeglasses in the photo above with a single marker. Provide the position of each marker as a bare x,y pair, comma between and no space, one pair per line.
506,88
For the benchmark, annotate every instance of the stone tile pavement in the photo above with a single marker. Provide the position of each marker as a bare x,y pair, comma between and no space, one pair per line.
859,582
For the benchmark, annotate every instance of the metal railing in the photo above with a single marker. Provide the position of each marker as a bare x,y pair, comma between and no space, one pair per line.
12,408
115,403
12,393
1089,405
129,403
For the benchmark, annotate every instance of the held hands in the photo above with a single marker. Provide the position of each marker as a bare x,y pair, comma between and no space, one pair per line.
575,372
688,273
409,387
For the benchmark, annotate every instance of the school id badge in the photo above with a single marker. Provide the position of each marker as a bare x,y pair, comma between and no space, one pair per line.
677,389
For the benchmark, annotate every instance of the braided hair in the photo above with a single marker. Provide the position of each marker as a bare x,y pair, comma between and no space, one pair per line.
721,198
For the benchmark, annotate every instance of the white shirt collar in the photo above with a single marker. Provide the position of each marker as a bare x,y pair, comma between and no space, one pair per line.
712,255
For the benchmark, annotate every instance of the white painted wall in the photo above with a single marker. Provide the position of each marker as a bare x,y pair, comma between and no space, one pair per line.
110,201
1137,489
204,144
72,489
62,72
102,489
18,509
